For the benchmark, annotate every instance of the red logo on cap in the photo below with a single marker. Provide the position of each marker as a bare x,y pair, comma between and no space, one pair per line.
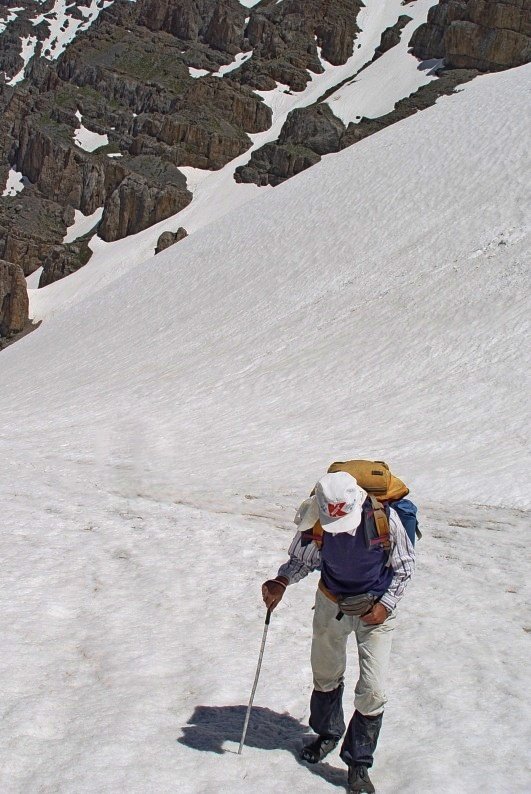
336,509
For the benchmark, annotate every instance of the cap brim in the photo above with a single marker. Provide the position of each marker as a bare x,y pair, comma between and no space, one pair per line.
344,524
309,514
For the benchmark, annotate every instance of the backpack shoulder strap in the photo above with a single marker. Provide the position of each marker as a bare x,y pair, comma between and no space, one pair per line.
381,522
314,534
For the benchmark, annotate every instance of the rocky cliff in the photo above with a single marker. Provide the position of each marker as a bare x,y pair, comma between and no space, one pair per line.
488,35
13,299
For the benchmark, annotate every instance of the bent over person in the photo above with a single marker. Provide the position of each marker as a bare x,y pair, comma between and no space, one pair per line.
364,574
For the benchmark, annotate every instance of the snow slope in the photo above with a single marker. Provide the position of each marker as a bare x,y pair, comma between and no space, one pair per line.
160,433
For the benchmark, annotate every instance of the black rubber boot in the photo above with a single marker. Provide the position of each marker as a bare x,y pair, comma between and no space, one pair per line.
359,781
318,749
360,740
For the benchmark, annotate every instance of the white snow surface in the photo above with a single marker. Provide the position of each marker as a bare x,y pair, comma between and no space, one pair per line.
82,224
15,183
63,27
88,139
32,281
239,59
197,72
161,432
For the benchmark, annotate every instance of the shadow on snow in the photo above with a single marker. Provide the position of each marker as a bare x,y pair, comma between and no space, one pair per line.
211,726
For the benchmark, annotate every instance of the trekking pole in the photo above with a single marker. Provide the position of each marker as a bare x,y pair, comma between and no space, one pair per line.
249,707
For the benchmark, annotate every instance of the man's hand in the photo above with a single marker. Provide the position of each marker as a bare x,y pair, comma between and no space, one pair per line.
273,590
377,615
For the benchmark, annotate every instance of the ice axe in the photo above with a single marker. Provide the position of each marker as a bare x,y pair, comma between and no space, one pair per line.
249,707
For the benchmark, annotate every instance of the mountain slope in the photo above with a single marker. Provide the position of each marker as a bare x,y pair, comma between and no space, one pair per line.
368,239
374,305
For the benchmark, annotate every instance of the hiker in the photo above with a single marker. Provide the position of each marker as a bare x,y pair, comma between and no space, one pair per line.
363,577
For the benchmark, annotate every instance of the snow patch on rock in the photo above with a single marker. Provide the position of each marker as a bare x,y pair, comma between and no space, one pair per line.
87,139
16,182
82,224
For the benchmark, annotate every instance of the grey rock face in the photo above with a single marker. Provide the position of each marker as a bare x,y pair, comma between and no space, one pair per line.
62,260
273,163
307,134
14,304
48,158
167,239
219,23
488,35
314,127
391,36
284,37
136,204
30,229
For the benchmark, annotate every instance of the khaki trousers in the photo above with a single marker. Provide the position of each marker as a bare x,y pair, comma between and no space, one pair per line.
329,654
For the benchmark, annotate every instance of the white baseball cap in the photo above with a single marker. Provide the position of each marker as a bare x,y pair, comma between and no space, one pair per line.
340,500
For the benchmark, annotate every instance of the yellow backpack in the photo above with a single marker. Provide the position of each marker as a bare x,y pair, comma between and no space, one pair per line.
374,477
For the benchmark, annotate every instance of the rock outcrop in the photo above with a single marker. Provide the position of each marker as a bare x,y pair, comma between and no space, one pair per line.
47,157
129,77
62,260
14,304
307,134
285,36
488,35
30,229
166,239
135,205
218,23
391,36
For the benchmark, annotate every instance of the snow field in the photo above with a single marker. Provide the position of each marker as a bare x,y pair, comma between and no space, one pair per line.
137,650
197,72
239,59
279,313
32,281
